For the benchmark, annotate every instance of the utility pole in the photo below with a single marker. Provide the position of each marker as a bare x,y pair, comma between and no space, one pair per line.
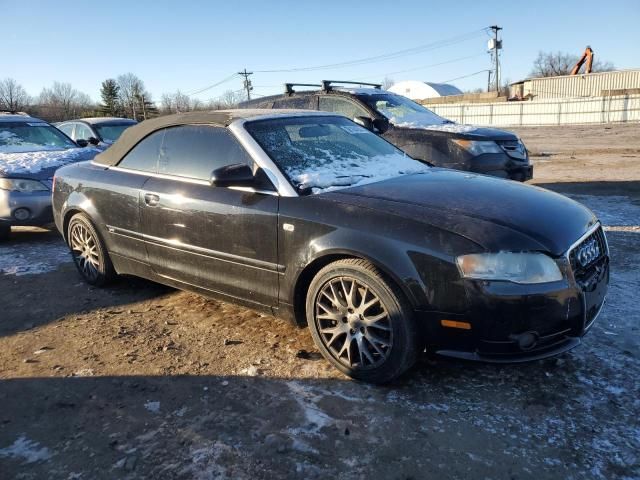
247,82
495,46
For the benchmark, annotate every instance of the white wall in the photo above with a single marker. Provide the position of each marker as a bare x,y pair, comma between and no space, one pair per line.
622,108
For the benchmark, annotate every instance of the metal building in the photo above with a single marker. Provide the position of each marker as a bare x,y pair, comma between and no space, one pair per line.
578,86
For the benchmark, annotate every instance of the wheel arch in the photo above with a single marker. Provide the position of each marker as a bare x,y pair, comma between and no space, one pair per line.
307,274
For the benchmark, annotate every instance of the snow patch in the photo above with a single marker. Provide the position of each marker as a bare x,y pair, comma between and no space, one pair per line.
26,449
612,210
427,124
332,173
153,407
46,157
33,259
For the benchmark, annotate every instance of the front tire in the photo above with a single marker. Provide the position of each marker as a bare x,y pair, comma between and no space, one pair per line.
361,322
89,252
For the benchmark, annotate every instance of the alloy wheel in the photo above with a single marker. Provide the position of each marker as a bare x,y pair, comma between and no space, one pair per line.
85,250
353,323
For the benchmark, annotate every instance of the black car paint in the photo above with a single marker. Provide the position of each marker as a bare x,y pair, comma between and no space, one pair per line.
434,146
233,245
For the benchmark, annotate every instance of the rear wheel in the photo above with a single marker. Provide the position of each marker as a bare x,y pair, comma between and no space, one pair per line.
361,322
88,251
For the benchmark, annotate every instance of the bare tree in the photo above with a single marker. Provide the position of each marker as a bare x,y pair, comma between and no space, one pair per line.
387,83
134,97
12,96
230,98
179,102
549,64
62,102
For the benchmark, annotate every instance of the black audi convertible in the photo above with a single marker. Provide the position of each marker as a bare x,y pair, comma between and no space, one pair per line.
312,217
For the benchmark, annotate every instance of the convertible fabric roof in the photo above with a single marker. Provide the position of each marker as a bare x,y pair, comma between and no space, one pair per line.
134,134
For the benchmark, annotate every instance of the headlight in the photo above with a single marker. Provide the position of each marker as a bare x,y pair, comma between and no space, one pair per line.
511,267
478,147
21,185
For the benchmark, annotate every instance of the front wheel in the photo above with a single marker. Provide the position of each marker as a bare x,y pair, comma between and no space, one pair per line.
361,322
88,251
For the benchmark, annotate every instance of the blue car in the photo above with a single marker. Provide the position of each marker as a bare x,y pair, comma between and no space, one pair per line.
31,150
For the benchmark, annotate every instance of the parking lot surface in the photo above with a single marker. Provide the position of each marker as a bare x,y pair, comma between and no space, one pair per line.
141,381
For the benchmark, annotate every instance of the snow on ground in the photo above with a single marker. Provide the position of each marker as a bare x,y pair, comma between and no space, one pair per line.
27,450
34,161
614,211
26,258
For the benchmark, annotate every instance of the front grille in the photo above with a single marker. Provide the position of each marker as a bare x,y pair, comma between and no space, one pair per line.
514,148
588,255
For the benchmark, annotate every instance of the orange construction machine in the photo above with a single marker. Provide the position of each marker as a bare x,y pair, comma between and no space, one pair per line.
587,56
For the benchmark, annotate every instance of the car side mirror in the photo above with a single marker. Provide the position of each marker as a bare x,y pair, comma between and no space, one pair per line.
236,175
93,140
381,125
365,122
81,142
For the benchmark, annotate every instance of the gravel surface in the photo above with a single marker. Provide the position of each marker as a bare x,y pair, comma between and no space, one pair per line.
141,381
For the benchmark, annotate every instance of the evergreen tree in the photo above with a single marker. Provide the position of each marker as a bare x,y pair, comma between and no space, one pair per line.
109,93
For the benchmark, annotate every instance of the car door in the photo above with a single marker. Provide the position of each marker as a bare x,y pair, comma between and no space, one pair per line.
222,239
117,197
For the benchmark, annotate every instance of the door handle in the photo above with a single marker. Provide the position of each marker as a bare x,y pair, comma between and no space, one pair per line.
151,199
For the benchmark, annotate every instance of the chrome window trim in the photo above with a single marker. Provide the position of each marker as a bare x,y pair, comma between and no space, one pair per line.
186,179
284,188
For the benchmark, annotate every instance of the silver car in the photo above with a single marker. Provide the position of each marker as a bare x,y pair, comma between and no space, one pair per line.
99,131
31,150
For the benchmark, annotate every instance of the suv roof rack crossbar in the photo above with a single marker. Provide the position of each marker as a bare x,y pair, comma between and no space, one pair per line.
326,84
288,87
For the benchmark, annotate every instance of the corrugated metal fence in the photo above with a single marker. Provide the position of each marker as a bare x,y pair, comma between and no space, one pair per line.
586,85
560,111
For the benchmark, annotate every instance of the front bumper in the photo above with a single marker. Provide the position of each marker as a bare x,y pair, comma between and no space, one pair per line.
35,208
516,323
502,165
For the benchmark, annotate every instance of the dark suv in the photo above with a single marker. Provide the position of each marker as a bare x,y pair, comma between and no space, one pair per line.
411,127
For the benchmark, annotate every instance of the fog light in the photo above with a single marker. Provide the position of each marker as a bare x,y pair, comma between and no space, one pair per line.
526,341
21,213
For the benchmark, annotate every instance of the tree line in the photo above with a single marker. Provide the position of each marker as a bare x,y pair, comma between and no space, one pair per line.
124,96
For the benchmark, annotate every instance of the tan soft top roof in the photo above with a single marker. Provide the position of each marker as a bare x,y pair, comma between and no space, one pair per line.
134,134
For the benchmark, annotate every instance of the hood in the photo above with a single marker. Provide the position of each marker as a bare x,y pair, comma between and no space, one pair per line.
457,130
41,164
494,213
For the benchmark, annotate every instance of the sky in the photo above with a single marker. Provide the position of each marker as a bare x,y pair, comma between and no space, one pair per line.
190,45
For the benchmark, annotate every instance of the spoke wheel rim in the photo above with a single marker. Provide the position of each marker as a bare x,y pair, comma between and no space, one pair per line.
353,323
85,250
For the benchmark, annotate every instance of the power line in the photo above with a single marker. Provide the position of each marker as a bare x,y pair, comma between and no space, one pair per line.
465,76
383,57
424,66
195,92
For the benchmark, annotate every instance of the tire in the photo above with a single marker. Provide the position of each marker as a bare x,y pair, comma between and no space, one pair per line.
5,232
361,322
89,252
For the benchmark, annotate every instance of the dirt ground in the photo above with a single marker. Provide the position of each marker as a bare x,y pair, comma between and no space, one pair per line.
141,381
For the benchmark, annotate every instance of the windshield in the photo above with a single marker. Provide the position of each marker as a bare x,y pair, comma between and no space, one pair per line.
327,153
32,136
111,132
401,111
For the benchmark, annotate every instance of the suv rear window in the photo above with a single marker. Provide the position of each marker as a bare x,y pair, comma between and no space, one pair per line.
293,102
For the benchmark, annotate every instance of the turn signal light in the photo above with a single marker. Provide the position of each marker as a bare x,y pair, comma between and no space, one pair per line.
455,324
